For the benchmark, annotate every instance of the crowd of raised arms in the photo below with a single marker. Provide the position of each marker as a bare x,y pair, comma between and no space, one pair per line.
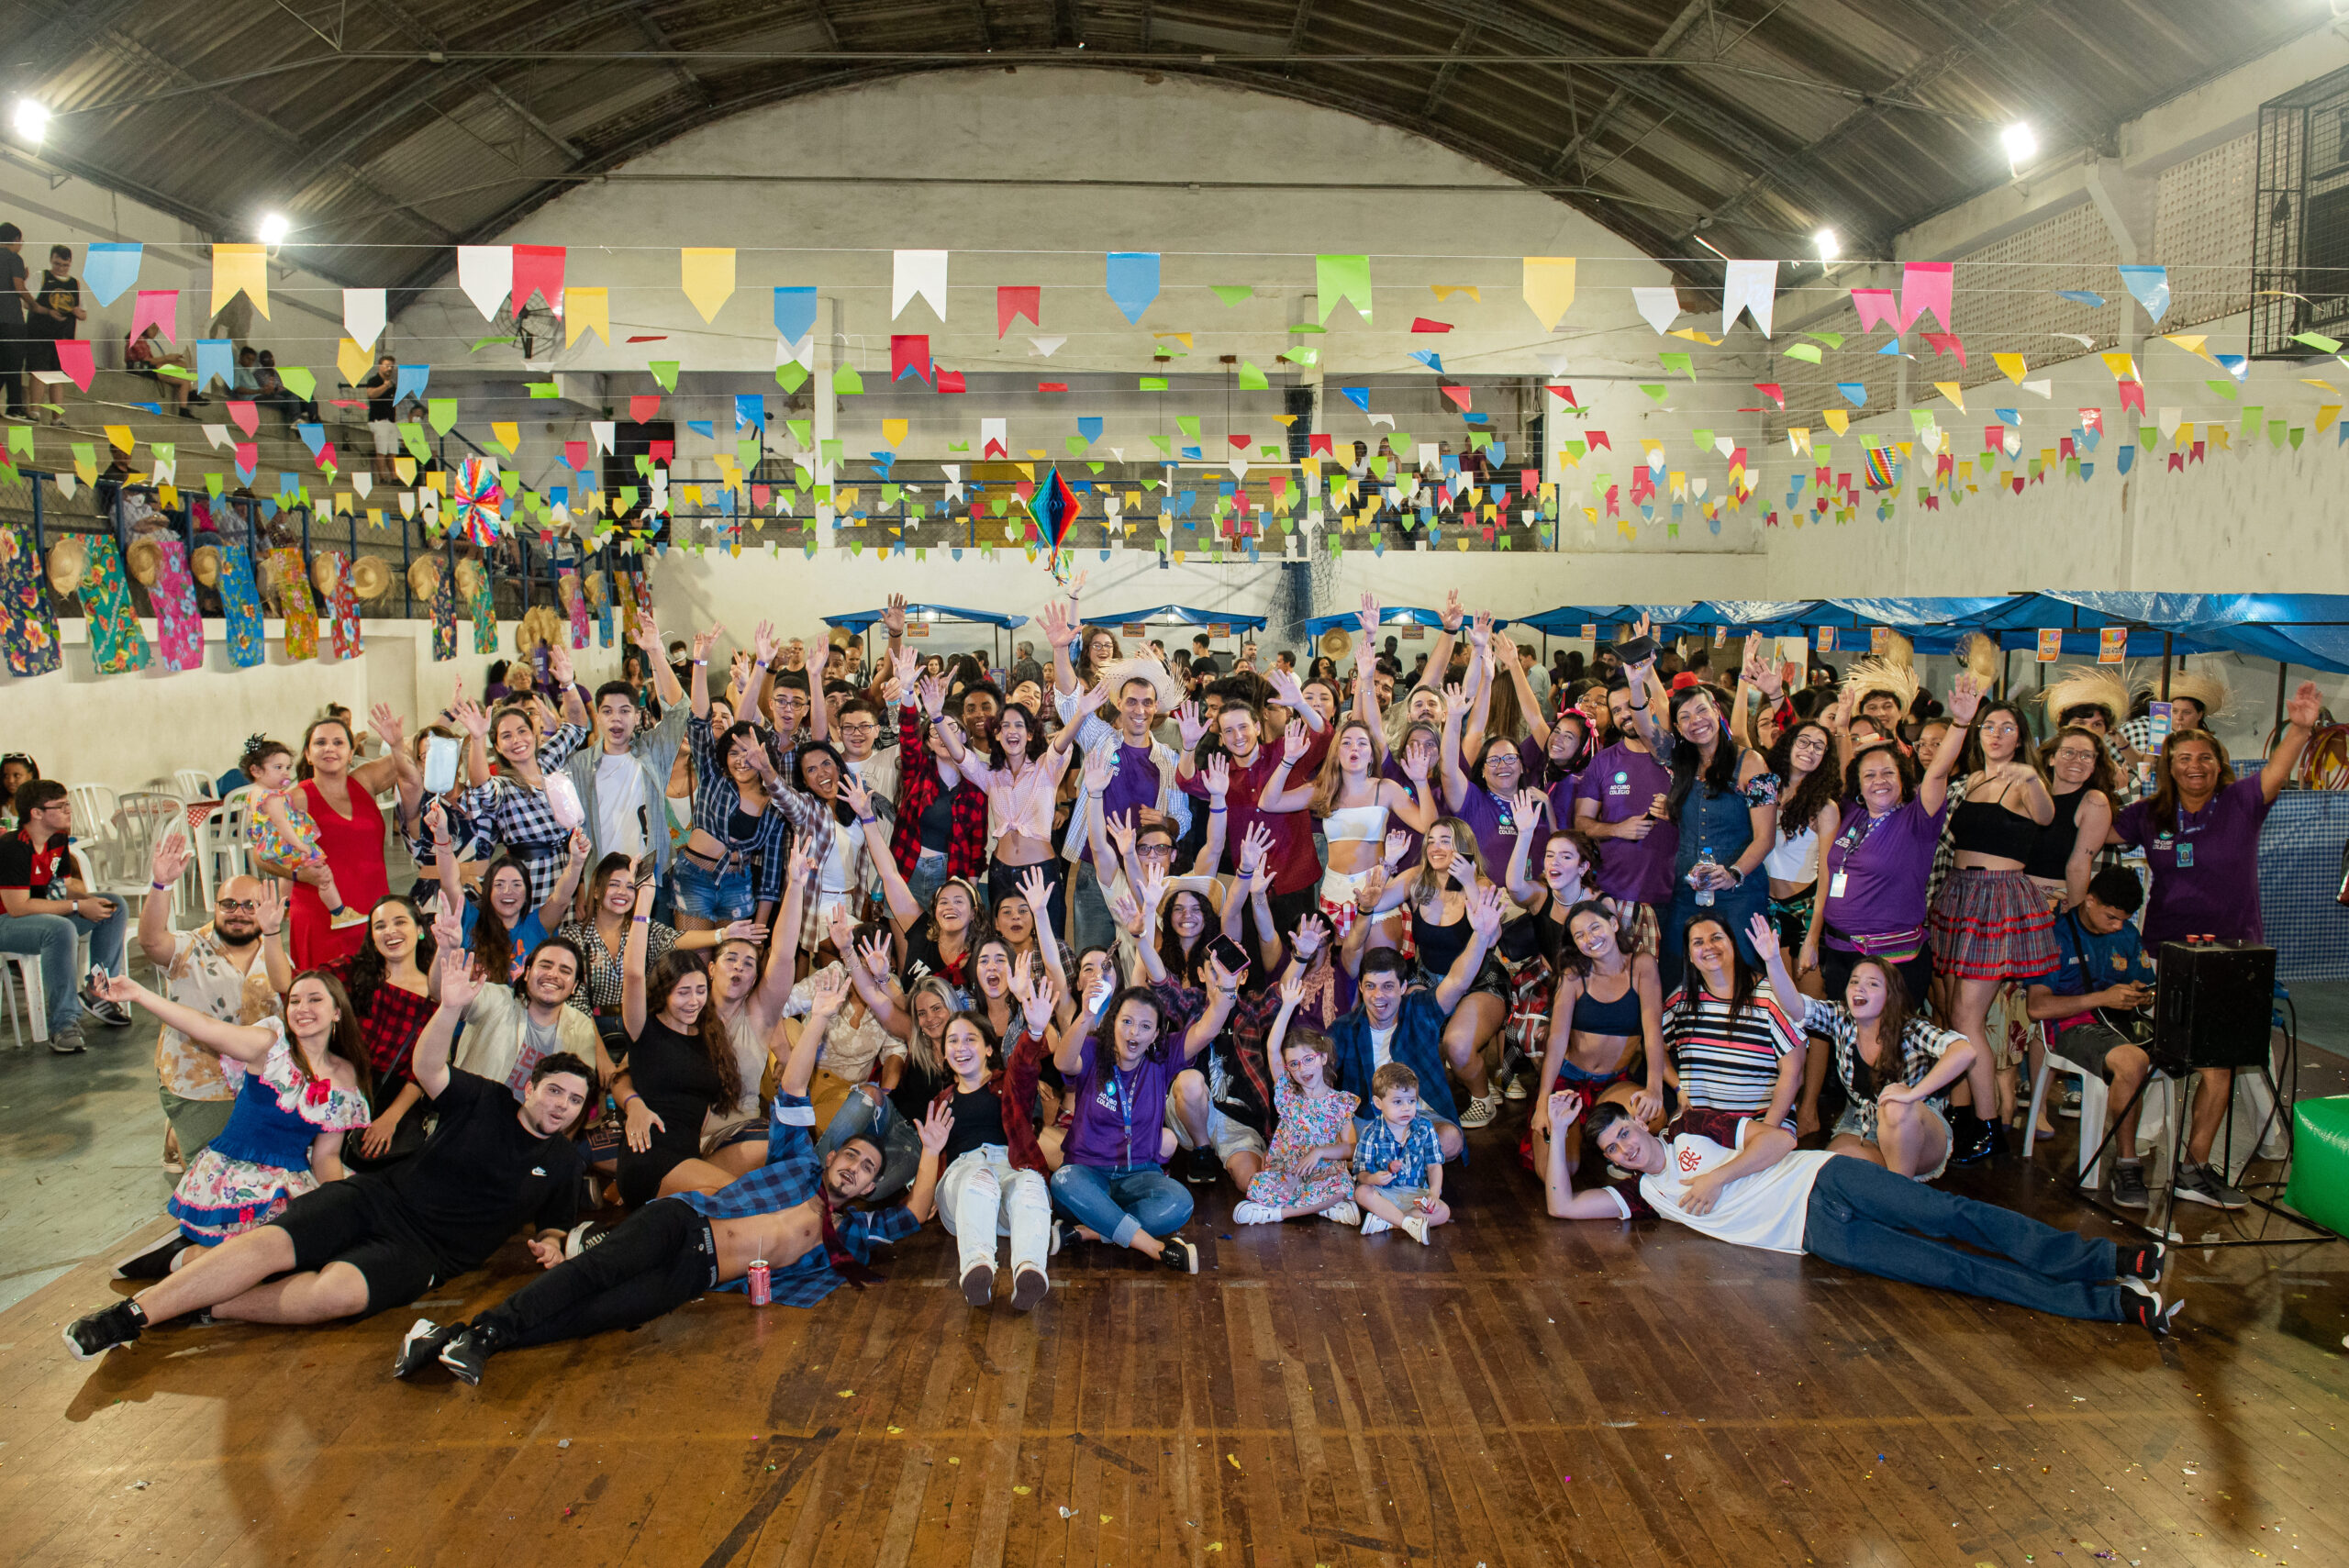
781,956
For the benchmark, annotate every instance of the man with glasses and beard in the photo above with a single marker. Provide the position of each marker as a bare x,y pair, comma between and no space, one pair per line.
234,968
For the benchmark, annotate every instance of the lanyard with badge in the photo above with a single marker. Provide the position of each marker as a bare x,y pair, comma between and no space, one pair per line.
1849,842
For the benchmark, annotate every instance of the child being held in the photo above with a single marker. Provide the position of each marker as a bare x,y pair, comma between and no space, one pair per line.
278,829
1305,1171
1399,1166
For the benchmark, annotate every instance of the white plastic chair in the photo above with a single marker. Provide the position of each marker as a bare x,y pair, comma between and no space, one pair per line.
220,850
193,783
93,808
24,967
2155,1107
144,819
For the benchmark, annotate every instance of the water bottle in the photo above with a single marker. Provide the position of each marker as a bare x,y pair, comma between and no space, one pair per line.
1704,894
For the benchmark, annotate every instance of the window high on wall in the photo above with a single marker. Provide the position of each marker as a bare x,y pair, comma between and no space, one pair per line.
2301,239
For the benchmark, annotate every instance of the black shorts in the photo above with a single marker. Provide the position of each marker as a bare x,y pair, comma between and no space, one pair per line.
359,1221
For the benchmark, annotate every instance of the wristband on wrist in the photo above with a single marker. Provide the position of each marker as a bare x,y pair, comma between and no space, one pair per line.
157,887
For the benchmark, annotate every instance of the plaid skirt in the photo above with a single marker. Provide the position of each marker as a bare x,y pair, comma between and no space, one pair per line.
1992,924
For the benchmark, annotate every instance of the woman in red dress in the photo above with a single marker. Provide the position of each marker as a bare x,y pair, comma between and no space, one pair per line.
342,797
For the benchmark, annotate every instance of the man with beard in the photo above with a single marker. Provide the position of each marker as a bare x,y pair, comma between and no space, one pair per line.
792,1214
373,1241
211,970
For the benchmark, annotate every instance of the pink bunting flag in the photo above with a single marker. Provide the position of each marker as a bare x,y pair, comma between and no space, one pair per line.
1925,286
1773,391
156,307
1013,301
538,269
1876,307
1421,324
2092,419
1947,343
1458,396
248,460
246,415
1318,445
575,454
74,359
2133,395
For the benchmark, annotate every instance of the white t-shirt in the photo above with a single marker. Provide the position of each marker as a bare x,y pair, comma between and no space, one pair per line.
1382,1047
619,802
1769,1210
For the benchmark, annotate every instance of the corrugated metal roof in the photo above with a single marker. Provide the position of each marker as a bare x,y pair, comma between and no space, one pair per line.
1772,120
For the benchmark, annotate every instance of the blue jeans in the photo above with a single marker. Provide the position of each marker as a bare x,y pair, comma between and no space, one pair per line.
1864,1218
719,898
900,1144
56,939
930,873
1121,1205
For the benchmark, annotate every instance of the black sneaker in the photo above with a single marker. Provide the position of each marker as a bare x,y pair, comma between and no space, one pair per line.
2140,1260
421,1346
2141,1304
156,1262
112,1014
89,1338
585,1235
1973,1140
1201,1167
468,1351
1180,1256
978,1284
2129,1185
2200,1184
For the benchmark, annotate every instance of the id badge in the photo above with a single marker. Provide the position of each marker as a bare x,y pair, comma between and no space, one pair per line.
2184,854
1835,885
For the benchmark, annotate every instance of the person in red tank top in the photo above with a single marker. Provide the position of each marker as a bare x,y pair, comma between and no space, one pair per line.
341,797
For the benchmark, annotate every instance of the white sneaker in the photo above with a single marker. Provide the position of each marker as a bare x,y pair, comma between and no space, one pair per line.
1247,1213
1373,1224
1517,1089
1344,1211
1417,1229
1481,1110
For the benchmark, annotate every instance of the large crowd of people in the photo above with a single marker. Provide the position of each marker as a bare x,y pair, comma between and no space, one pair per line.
726,973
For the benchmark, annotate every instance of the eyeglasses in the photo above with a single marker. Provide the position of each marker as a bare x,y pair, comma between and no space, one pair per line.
1154,851
239,905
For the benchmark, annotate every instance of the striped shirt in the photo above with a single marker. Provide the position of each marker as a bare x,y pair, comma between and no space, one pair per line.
1727,1064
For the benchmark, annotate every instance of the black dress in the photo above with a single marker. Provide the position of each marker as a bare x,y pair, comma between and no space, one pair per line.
681,1087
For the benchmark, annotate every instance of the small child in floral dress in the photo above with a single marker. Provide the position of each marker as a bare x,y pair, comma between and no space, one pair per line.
277,826
1308,1168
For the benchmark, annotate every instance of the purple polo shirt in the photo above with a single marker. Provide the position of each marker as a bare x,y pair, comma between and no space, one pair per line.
1134,787
1886,868
1623,782
1118,1114
2206,875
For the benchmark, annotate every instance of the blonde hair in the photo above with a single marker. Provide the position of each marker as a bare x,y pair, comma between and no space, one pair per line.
920,1053
1428,883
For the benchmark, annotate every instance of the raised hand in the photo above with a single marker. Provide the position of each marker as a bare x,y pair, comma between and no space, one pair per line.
2306,706
1965,697
1451,613
436,822
1122,832
852,790
1419,762
875,954
645,635
827,991
1527,808
1124,910
843,934
1368,621
271,916
1035,889
1225,983
936,1127
170,859
932,692
1253,848
470,716
558,663
1485,912
765,643
1296,741
1455,701
1100,769
582,846
1399,844
742,931
1188,721
892,618
704,640
387,725
1152,892
1058,621
906,671
461,979
1218,775
1566,1109
1291,989
1306,940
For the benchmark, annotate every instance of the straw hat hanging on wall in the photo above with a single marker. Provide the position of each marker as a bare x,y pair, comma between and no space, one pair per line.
370,577
424,576
144,561
1337,642
469,578
69,565
322,575
204,565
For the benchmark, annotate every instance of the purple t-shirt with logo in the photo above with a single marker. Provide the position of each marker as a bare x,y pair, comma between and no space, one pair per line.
2206,875
1118,1114
1624,783
1883,868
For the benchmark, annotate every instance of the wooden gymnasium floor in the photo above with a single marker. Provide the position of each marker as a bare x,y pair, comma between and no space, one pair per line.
1524,1392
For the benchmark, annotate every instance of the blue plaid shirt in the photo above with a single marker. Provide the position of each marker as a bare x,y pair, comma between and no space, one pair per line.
1418,1151
791,1176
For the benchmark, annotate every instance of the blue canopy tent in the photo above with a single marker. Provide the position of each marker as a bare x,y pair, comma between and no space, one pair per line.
1180,615
1398,614
933,615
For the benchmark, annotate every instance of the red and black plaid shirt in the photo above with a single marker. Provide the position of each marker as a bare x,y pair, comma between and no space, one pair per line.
917,786
1014,1085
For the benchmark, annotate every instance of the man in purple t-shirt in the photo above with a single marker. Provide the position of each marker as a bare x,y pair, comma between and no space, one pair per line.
1619,800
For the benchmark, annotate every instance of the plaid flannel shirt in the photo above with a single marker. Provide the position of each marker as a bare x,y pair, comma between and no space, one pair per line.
918,785
717,798
1923,1045
519,818
1418,1151
792,1175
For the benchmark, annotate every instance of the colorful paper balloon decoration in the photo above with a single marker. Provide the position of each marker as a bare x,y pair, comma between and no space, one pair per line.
1054,508
475,490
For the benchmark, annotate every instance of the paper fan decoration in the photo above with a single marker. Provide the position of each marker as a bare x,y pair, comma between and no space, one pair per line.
474,490
1054,508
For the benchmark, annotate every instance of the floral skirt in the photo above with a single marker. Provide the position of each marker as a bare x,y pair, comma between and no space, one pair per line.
219,1198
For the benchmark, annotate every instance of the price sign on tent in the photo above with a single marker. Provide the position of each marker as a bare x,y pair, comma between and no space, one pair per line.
478,495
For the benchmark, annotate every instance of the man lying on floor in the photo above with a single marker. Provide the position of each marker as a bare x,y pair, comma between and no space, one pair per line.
1848,1211
792,1214
370,1243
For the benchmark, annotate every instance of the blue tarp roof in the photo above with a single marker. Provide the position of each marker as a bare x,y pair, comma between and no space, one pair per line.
1393,616
1181,614
861,618
2294,629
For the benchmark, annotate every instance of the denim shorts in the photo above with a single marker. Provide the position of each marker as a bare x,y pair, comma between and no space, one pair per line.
707,895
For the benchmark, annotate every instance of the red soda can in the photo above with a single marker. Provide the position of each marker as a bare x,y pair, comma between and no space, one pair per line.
762,1287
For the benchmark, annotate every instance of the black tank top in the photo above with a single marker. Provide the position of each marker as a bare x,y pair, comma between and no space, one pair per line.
2051,853
1988,828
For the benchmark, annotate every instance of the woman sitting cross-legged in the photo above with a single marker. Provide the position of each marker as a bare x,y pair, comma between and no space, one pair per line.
996,1179
306,1082
1309,1168
1114,1183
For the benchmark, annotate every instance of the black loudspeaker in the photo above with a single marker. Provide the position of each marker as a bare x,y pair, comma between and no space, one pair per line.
2214,1004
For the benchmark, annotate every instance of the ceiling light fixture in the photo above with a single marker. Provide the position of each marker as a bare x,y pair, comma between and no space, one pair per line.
31,120
1830,248
275,228
2021,143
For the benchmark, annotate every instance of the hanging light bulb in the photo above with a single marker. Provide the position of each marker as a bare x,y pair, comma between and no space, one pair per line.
31,120
2021,143
275,228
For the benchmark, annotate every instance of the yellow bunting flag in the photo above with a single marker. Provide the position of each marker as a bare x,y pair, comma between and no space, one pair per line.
509,433
120,435
2192,342
2326,415
586,310
893,431
239,267
2123,366
353,361
1952,391
2011,366
708,276
1445,290
1549,288
1837,420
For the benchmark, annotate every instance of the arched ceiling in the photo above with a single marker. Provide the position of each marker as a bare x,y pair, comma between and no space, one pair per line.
1735,127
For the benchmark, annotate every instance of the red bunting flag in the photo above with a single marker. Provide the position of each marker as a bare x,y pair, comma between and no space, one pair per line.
1013,301
1421,324
642,406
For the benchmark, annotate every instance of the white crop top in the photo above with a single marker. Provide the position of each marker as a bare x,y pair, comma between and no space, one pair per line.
1355,824
1794,858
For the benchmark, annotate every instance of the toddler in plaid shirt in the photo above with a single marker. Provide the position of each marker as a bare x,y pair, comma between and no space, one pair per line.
1397,1166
